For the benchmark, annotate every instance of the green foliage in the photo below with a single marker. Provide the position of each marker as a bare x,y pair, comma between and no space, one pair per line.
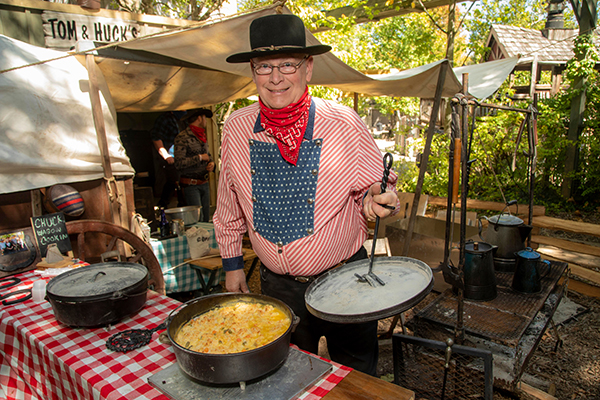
408,174
492,176
406,42
554,123
500,170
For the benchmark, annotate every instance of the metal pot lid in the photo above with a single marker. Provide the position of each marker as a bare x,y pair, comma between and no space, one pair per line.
505,219
338,296
478,247
182,209
528,253
97,280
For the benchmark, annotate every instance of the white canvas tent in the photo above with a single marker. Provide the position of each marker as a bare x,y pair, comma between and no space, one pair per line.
47,133
186,68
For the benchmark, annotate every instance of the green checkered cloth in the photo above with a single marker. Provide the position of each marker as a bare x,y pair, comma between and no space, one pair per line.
172,252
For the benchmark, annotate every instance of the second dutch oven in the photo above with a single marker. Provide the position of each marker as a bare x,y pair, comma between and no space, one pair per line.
98,294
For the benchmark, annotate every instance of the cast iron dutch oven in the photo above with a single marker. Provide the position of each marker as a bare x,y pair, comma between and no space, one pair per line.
235,367
98,294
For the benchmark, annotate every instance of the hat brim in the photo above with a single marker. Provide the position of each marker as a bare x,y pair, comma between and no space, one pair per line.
247,56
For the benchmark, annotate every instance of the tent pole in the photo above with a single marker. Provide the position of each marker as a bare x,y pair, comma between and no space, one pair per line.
111,186
355,101
424,159
212,131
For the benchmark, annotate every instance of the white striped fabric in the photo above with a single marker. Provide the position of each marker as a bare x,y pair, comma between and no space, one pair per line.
350,163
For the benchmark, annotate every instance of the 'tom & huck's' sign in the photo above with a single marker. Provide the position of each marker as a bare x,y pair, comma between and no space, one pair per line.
63,30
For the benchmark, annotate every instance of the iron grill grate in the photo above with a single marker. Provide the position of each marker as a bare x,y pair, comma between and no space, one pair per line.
419,366
503,319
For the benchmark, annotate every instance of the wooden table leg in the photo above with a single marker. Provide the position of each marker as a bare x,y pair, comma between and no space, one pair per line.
211,278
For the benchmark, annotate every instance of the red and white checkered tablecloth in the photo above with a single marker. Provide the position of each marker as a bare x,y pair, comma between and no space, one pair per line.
43,359
328,382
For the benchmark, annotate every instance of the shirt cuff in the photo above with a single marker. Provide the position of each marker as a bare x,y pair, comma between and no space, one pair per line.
233,263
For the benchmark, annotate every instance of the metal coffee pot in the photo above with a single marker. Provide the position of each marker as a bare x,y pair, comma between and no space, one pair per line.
529,271
479,274
509,234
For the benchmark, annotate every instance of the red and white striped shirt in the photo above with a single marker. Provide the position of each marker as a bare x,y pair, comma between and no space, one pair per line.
350,163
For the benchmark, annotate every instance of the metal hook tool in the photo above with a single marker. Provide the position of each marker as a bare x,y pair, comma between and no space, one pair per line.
370,277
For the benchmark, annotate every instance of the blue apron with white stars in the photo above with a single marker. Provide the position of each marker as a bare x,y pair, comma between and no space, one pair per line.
283,195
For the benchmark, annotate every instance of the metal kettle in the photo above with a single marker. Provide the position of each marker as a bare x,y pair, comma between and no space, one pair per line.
509,234
479,274
530,271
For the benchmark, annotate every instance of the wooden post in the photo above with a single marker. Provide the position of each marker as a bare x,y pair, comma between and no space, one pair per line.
36,202
534,77
212,132
424,159
355,101
586,13
111,186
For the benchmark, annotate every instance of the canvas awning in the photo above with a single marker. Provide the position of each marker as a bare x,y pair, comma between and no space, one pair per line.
186,68
47,133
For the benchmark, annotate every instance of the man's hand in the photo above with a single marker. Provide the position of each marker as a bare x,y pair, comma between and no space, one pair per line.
170,160
235,281
210,167
370,207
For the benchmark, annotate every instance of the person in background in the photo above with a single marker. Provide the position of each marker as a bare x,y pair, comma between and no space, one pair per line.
193,160
301,176
166,128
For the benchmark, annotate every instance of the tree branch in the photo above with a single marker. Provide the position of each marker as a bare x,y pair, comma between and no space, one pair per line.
431,18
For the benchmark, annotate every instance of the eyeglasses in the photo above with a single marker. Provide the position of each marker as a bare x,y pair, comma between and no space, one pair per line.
286,68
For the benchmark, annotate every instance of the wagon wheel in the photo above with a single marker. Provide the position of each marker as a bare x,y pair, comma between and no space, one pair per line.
143,252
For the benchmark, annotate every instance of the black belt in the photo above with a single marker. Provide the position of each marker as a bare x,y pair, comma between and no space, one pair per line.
301,279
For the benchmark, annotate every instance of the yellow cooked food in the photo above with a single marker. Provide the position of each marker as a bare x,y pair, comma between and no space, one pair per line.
234,328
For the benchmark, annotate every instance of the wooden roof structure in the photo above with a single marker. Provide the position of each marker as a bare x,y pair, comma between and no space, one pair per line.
548,49
551,46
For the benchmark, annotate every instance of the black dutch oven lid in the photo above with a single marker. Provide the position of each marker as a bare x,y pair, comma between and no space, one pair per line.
96,281
505,219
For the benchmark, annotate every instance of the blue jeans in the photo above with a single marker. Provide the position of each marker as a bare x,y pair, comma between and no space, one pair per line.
199,195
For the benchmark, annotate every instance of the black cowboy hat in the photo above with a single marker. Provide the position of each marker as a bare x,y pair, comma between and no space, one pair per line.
277,34
191,115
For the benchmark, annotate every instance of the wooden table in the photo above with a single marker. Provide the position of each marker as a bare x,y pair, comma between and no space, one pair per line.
214,265
359,386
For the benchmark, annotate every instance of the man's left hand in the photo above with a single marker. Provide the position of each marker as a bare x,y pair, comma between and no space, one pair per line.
371,208
210,167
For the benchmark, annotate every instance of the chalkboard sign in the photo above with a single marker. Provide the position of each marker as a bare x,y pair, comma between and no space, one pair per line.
49,229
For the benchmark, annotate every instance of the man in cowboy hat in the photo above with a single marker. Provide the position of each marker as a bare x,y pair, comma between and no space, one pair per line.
301,176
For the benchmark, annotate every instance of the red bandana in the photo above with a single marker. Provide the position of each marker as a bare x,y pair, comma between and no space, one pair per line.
199,132
287,125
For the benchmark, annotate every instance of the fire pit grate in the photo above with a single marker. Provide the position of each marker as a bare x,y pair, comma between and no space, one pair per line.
503,319
419,365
